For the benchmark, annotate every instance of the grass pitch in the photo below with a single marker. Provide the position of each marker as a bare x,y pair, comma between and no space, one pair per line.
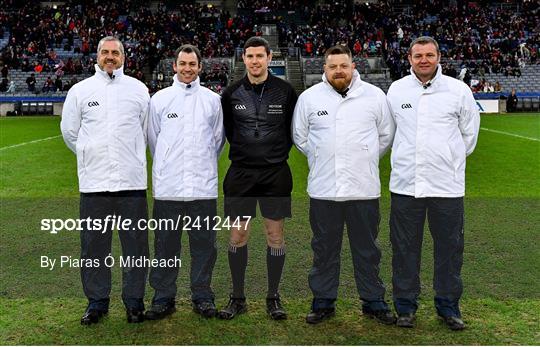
501,303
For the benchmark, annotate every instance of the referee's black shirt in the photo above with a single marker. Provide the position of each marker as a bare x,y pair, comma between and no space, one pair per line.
257,121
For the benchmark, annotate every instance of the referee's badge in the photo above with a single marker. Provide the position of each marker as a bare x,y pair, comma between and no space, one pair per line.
275,109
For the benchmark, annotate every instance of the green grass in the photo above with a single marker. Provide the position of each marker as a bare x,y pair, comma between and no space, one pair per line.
501,303
529,126
490,322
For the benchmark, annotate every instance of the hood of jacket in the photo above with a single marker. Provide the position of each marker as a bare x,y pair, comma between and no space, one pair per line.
189,88
118,73
355,87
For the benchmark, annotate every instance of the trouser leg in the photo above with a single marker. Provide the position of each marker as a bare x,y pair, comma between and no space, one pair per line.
445,217
132,205
362,218
167,245
407,218
203,248
96,245
327,221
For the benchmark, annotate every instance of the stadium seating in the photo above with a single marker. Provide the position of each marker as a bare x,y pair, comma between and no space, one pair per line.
377,33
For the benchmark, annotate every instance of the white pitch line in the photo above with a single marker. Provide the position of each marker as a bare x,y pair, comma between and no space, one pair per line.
29,142
510,134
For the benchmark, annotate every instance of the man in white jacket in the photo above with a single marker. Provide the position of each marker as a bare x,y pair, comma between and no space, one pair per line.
437,127
186,135
104,123
344,126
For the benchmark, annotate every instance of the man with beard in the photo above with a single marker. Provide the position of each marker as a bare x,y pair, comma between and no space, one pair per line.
257,113
343,125
104,123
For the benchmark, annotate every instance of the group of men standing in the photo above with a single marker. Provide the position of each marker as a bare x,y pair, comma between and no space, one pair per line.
343,125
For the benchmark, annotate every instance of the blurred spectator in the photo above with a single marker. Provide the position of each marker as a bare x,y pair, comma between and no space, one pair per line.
512,101
4,85
31,82
12,88
57,84
48,85
38,68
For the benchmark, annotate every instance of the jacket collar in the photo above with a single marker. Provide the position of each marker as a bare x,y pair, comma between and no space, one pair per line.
118,73
187,87
355,87
249,86
432,81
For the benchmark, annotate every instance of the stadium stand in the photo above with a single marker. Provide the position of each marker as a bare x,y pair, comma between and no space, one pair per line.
483,43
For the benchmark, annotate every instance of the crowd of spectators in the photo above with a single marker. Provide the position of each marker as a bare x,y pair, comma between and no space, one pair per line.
148,35
330,23
482,38
272,5
487,38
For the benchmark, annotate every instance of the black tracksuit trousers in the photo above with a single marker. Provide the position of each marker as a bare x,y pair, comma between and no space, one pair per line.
202,245
96,244
327,219
445,217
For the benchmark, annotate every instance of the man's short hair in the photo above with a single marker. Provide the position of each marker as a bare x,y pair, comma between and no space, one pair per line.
188,49
338,49
424,40
257,41
110,38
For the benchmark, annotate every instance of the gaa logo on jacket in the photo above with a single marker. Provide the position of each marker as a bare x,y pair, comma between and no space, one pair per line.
322,113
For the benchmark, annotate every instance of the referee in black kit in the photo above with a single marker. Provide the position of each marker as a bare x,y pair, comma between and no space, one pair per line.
257,114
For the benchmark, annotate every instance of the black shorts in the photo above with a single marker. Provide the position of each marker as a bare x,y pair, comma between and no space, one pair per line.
270,186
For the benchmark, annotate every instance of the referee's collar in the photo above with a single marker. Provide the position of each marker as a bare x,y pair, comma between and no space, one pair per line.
118,73
249,86
190,88
432,81
355,87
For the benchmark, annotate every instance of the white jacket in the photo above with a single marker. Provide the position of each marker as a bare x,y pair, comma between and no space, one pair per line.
104,123
185,135
437,127
343,139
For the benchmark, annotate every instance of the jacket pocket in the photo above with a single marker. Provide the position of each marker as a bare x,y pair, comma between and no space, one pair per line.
360,160
365,154
457,155
313,161
95,163
163,160
79,147
394,154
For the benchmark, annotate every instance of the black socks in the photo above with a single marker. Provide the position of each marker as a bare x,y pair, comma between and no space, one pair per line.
237,263
275,259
